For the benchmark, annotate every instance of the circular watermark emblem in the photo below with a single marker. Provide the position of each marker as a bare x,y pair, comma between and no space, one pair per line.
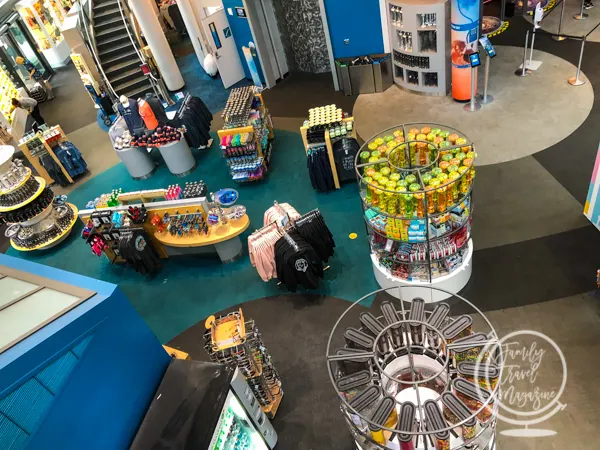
532,379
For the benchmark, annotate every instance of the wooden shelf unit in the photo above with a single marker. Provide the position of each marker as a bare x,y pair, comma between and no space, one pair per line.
328,144
35,159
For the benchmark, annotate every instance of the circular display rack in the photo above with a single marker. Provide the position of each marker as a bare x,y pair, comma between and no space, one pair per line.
43,228
416,184
409,376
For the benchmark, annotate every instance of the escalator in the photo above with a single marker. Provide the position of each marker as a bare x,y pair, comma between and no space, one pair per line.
116,52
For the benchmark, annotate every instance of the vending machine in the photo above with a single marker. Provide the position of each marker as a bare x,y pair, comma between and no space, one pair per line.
204,405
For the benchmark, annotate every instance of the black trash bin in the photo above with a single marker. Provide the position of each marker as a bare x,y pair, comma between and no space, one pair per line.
509,9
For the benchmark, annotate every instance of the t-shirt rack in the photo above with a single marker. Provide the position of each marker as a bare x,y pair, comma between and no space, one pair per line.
291,247
44,143
328,143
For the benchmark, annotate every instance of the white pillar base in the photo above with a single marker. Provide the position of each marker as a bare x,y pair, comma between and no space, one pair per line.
452,282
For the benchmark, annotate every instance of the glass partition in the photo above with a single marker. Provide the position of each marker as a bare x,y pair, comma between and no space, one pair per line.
29,303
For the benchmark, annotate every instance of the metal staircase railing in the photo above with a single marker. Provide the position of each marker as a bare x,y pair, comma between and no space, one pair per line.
85,26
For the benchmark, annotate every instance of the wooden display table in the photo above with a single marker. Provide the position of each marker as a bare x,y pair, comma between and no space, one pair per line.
224,238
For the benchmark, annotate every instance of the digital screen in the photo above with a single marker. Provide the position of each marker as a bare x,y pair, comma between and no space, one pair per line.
474,59
487,45
241,12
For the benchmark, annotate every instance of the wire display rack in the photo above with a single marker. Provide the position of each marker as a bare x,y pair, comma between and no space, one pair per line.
416,189
409,376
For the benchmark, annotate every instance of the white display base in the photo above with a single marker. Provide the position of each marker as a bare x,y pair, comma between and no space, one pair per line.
453,282
531,65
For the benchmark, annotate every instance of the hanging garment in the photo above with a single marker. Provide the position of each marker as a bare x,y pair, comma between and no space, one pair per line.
196,117
313,229
53,169
344,155
319,169
147,115
132,116
280,213
136,248
70,157
157,108
297,262
261,247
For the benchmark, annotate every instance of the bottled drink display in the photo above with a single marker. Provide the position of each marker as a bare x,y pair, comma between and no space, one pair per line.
427,41
405,41
396,15
421,62
427,20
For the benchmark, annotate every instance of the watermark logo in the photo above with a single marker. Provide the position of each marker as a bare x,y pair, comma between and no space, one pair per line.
533,378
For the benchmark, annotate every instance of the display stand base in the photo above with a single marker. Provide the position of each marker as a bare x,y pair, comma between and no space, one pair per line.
532,65
453,282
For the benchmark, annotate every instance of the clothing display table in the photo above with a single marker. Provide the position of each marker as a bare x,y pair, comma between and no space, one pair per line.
138,162
178,158
224,238
52,155
319,134
27,205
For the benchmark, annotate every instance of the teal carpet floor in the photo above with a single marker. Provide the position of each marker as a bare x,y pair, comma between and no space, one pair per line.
188,289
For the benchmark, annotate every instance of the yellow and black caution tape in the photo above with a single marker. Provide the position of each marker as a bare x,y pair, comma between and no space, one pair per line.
551,4
501,29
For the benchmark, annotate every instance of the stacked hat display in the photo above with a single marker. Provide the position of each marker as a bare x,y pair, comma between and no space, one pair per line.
36,220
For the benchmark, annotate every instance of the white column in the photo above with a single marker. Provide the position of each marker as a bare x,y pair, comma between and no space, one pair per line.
146,17
193,28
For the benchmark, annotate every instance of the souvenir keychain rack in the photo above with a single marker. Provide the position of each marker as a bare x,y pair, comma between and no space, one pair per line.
328,143
34,201
44,142
415,377
263,145
236,342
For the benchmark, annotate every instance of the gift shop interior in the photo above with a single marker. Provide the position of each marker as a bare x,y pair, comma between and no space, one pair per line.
302,224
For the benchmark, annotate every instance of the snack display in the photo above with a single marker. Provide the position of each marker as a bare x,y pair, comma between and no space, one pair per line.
415,185
246,138
401,389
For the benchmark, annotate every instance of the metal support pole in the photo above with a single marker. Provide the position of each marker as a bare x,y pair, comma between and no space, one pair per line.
558,36
581,15
575,81
503,10
473,105
486,75
523,71
531,48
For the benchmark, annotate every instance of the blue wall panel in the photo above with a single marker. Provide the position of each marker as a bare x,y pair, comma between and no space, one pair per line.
356,20
240,28
85,380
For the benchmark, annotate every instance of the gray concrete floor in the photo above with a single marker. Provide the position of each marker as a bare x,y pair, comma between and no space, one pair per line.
574,324
531,121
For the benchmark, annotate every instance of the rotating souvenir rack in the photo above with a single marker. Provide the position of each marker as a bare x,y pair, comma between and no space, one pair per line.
324,126
36,221
247,135
416,184
235,341
416,378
